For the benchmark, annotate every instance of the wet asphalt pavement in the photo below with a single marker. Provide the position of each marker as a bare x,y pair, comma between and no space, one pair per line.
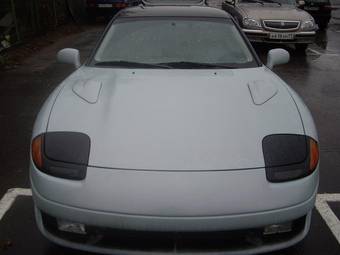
315,76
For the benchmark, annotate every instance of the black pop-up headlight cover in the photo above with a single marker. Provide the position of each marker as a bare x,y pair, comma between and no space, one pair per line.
63,154
287,156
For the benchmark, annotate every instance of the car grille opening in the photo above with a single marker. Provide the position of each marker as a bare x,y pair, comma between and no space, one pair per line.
280,25
180,242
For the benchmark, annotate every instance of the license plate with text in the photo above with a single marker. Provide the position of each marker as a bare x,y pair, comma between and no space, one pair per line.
281,36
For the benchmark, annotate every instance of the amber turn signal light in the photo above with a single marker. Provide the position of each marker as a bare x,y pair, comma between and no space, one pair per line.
314,154
37,151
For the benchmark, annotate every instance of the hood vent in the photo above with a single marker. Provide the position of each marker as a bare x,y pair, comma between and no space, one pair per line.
88,90
262,91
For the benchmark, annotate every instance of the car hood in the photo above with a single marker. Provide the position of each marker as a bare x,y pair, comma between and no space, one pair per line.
176,120
273,11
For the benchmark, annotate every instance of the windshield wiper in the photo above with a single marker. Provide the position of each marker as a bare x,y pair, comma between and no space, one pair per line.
130,64
192,65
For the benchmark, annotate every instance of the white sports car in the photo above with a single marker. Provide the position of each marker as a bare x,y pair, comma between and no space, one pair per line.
174,138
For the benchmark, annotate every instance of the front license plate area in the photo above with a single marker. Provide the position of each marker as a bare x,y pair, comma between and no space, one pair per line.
281,36
104,5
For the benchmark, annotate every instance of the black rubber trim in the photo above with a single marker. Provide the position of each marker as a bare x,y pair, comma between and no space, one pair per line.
66,154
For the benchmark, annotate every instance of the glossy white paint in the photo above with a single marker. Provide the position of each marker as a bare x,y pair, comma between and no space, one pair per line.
69,56
176,119
277,57
88,90
262,91
175,194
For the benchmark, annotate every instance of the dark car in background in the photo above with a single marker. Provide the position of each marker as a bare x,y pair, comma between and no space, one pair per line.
320,10
107,7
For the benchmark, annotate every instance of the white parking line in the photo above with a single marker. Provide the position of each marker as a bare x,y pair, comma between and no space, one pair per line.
314,51
9,198
317,52
321,205
327,214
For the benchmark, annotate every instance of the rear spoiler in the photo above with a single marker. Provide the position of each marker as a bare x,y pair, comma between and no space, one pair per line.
174,2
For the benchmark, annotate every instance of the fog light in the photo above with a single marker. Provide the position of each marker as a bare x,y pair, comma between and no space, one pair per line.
71,227
277,228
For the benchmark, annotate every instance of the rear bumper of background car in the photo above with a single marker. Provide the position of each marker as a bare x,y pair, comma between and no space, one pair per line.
262,36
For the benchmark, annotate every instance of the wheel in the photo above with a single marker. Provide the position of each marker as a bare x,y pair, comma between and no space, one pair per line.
301,47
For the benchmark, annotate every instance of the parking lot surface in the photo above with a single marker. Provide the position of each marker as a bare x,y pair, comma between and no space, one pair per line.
314,75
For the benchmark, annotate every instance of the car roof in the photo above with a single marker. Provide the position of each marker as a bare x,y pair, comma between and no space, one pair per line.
173,11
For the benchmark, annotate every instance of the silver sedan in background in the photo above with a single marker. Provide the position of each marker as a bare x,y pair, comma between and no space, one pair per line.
273,21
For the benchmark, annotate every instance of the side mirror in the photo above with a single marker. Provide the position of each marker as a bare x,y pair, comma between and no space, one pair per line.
231,2
69,56
277,57
301,3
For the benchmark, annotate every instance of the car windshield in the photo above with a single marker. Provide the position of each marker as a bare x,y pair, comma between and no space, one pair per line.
291,2
174,43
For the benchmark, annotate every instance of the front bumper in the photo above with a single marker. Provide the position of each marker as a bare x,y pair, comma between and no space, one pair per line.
134,242
262,36
166,223
174,202
175,194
